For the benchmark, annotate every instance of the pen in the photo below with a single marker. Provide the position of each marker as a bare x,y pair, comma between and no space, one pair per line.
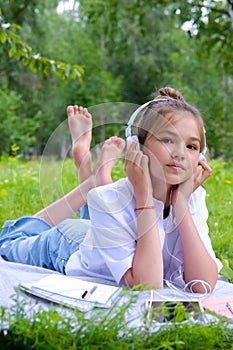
229,306
87,294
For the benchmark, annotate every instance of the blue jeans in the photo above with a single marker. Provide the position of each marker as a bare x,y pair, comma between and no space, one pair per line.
32,241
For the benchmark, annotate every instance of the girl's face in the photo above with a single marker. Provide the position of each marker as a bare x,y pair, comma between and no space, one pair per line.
174,149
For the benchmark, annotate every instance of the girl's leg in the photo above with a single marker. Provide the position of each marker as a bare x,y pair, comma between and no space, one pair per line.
32,241
80,125
110,154
68,205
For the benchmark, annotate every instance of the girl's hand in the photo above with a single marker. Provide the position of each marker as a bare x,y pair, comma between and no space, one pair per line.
185,189
203,172
137,169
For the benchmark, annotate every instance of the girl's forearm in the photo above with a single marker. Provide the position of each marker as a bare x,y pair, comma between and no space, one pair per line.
147,268
198,264
68,205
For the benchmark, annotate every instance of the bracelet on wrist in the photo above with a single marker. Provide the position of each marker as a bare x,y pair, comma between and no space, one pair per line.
142,208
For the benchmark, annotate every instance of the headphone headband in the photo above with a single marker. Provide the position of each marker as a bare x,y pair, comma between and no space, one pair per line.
137,111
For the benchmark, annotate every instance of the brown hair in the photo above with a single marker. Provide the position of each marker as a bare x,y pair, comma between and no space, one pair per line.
166,102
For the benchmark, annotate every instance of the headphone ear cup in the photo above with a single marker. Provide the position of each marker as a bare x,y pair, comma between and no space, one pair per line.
201,156
130,139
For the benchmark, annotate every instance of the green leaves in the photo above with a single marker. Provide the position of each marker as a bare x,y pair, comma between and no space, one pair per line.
3,37
38,64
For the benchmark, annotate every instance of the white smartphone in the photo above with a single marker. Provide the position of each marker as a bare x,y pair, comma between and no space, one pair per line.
178,310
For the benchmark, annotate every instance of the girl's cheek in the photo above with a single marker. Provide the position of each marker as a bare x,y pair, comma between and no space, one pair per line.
195,166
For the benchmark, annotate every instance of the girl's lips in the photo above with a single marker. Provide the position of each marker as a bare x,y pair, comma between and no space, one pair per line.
176,166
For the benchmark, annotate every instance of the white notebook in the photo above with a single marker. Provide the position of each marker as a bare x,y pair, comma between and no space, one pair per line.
73,292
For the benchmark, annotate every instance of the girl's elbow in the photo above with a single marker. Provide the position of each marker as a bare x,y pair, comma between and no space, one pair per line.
203,286
144,283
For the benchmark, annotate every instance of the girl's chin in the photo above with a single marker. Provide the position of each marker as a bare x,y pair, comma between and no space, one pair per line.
177,180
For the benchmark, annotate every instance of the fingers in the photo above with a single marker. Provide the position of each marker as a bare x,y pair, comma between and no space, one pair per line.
205,167
135,159
133,145
204,171
131,153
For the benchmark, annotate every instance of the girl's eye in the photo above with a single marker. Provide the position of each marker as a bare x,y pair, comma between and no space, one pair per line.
166,140
192,147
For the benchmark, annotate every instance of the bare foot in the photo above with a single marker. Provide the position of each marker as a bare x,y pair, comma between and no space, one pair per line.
110,154
80,124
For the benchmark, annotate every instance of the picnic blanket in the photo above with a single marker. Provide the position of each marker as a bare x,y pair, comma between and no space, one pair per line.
12,274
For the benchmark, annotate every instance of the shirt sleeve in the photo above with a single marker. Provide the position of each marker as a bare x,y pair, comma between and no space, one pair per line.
113,226
199,213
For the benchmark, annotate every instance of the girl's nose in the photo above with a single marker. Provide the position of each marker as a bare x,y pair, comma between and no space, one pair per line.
177,157
178,153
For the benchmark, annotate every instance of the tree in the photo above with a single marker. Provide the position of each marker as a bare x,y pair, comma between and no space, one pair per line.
44,95
23,84
37,63
128,50
151,51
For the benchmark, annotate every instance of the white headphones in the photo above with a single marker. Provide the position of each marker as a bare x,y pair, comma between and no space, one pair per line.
128,131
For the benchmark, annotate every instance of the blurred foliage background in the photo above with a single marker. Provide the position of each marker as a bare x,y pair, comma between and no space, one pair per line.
89,52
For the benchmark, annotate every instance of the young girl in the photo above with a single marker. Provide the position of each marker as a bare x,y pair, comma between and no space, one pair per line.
148,228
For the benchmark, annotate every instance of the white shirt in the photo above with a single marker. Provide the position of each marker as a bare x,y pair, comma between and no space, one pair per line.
108,249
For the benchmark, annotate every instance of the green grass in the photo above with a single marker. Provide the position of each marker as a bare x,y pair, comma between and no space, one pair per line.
219,188
105,329
26,187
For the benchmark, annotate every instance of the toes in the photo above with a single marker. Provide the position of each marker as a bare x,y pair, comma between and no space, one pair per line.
86,113
121,142
76,110
70,111
116,141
